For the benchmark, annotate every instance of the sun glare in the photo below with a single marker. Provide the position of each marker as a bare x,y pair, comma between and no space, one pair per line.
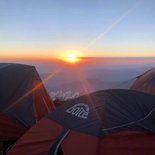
71,57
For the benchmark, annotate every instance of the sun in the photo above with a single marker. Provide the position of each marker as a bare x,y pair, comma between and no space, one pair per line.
71,57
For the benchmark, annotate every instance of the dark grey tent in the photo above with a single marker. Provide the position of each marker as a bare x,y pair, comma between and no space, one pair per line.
111,122
23,100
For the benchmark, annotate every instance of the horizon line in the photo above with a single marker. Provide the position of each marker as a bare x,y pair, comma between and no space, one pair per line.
83,58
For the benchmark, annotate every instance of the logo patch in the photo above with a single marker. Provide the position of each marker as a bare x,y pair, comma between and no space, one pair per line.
80,110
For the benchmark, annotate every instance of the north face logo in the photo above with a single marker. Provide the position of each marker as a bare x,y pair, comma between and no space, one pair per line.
80,110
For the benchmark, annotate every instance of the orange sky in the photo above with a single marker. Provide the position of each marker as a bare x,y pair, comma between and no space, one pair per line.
57,54
47,30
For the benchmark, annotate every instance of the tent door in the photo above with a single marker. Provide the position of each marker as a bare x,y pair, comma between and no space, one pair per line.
55,147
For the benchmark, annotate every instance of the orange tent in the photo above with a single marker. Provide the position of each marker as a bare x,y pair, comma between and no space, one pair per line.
145,82
23,100
111,122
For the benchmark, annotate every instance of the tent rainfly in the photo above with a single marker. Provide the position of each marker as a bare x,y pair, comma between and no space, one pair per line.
145,82
110,122
23,100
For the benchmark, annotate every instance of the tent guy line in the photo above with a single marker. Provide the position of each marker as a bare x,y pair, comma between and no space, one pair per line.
130,123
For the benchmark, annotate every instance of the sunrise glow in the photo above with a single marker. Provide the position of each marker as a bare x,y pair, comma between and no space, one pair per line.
120,34
71,56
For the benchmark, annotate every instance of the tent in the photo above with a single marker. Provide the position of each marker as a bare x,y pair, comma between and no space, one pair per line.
110,122
145,82
23,100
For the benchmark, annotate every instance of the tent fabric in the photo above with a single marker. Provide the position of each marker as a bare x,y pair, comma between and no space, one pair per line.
111,111
121,143
57,144
145,82
10,130
123,119
38,141
23,98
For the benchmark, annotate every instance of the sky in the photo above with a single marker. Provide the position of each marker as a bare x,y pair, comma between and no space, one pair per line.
95,28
